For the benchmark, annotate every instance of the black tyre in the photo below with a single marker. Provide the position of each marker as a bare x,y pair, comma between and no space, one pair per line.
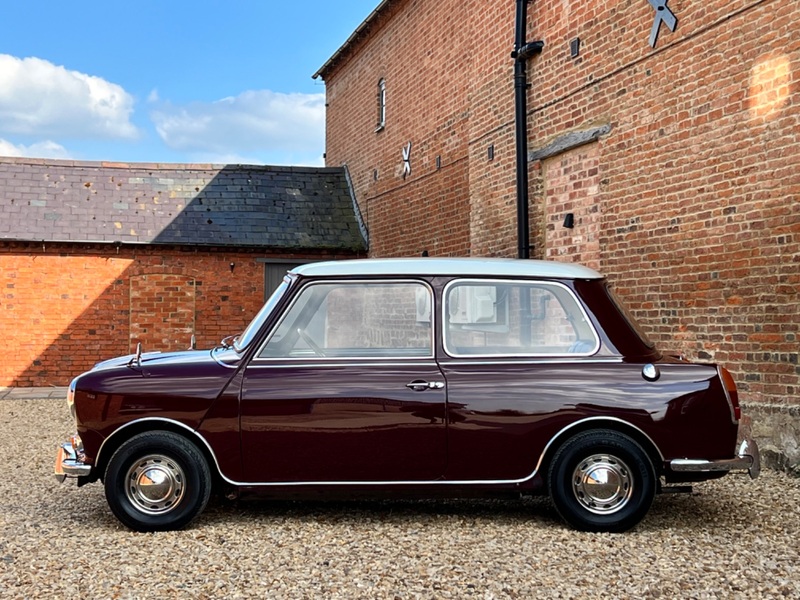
157,481
602,480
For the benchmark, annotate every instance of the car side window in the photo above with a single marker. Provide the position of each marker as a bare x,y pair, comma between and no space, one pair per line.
355,320
486,318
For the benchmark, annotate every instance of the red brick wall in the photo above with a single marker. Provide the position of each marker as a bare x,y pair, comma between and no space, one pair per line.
692,202
418,46
572,187
162,310
698,178
493,230
65,307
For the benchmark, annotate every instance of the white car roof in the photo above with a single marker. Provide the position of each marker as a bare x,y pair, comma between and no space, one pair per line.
467,267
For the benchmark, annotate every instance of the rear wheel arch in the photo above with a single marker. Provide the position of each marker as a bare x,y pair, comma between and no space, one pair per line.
602,480
617,425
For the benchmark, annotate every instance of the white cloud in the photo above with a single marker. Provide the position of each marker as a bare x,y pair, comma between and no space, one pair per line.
46,149
308,159
40,98
254,123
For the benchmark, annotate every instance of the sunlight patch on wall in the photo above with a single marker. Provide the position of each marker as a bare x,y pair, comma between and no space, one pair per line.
44,297
770,86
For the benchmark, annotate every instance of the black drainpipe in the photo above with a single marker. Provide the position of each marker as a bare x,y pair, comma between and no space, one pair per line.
522,52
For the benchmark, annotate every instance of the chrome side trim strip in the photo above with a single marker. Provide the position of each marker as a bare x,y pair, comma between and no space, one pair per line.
197,435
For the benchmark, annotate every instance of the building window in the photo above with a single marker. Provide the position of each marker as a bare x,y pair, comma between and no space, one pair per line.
274,272
381,104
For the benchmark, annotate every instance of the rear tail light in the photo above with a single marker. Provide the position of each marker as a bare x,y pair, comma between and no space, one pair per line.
731,394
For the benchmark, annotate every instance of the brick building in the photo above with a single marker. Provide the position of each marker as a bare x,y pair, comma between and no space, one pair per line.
674,151
96,257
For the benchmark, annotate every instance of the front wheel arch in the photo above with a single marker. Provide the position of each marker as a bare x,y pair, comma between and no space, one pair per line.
129,430
157,481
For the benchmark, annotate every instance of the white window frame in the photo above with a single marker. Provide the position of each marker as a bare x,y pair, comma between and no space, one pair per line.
381,105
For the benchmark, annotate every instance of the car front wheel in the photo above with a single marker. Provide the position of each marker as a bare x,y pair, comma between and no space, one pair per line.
157,481
602,480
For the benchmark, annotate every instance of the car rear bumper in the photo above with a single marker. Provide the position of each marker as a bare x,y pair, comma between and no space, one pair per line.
747,459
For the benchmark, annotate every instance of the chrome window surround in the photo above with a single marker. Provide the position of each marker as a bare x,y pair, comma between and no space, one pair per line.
269,363
536,469
553,359
261,361
427,361
528,283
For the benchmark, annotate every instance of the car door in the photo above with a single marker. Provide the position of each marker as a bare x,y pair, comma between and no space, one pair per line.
518,358
346,388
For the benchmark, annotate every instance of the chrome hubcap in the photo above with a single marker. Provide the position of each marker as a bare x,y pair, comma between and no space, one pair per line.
602,484
155,484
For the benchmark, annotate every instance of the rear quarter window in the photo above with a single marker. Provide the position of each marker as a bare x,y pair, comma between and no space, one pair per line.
513,318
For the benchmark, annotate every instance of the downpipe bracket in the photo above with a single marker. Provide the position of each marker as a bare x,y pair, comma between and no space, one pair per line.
528,50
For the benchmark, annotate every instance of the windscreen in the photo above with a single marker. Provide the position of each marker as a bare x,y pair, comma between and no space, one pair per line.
255,325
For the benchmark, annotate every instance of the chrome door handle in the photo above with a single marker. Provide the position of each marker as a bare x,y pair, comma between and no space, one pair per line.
420,386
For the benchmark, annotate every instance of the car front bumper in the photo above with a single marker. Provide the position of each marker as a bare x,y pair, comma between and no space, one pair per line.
69,460
747,459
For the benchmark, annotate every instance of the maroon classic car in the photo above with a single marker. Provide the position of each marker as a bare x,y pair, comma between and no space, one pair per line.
421,377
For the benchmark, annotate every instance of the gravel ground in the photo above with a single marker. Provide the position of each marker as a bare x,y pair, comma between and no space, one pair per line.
732,538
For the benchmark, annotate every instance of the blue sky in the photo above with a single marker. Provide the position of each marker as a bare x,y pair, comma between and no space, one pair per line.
169,81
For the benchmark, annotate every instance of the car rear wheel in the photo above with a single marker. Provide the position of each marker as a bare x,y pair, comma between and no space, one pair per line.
602,480
157,481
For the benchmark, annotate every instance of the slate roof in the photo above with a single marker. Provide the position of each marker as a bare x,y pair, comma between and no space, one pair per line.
184,204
